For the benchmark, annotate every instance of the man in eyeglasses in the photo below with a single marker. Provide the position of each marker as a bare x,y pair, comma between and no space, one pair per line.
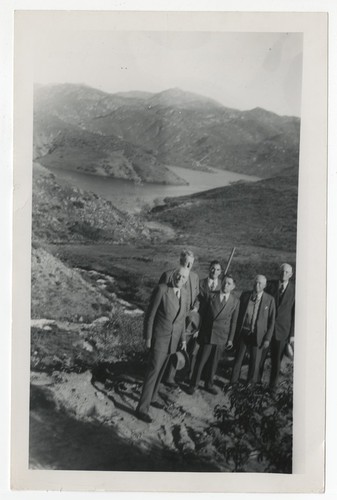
255,328
164,327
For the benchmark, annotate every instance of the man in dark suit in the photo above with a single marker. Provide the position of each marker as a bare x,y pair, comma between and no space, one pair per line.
218,325
255,328
210,284
193,318
283,292
164,326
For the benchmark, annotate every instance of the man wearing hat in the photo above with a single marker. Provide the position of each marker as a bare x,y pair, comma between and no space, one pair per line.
217,331
164,327
283,292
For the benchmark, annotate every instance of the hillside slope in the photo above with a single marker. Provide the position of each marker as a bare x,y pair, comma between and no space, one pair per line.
59,292
261,214
58,144
65,214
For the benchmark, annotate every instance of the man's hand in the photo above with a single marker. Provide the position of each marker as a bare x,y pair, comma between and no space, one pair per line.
183,345
229,345
266,344
195,335
148,343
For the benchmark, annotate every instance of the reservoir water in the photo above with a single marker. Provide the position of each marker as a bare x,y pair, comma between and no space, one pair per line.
131,197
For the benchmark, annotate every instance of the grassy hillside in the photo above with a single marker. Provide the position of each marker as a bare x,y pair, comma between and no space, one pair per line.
59,292
261,214
64,213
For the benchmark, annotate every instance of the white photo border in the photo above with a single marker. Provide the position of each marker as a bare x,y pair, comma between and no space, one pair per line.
309,383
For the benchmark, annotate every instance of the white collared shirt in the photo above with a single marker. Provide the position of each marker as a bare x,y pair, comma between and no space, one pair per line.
176,291
211,281
258,296
224,296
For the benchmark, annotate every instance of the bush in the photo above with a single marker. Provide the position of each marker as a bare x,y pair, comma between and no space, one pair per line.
256,423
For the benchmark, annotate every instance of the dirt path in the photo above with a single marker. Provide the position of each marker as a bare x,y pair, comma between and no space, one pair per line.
80,422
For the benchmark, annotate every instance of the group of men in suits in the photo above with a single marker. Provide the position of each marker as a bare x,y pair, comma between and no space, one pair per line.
205,319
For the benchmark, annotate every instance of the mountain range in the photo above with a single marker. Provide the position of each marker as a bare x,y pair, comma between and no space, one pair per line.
136,135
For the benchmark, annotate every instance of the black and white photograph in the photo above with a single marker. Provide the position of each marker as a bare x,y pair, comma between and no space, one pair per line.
163,249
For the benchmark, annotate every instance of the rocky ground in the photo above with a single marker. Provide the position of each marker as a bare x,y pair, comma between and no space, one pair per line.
86,380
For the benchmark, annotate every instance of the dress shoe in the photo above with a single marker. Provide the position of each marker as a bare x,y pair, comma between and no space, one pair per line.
158,405
171,385
190,390
145,417
211,389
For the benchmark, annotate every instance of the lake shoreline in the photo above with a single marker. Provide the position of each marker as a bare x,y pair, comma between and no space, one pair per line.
134,197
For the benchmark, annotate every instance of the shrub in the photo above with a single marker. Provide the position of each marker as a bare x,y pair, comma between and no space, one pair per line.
256,423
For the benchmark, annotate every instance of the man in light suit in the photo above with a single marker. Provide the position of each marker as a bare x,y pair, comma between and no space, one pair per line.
192,284
192,289
283,292
255,328
164,327
218,325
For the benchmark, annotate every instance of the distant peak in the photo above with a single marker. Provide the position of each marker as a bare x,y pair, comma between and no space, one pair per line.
178,96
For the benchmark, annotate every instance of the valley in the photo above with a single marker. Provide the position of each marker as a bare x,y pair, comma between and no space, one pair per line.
95,261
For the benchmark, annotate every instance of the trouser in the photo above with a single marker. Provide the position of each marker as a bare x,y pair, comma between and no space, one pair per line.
211,353
247,343
276,354
155,370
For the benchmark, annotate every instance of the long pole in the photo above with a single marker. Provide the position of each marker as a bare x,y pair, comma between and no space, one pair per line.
230,260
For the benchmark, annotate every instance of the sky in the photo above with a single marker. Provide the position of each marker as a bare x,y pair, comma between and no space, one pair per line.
240,70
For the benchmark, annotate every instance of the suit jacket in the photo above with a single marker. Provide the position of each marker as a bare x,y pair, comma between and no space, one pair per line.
219,320
205,293
265,321
285,309
164,321
191,286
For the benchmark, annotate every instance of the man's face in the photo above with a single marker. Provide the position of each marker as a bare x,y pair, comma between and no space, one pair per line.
228,285
214,271
286,273
180,277
260,284
187,262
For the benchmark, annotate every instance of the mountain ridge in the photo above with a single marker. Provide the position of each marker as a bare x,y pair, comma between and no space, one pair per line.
175,127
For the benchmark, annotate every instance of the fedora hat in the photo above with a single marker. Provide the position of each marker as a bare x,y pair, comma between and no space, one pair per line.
193,322
180,360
